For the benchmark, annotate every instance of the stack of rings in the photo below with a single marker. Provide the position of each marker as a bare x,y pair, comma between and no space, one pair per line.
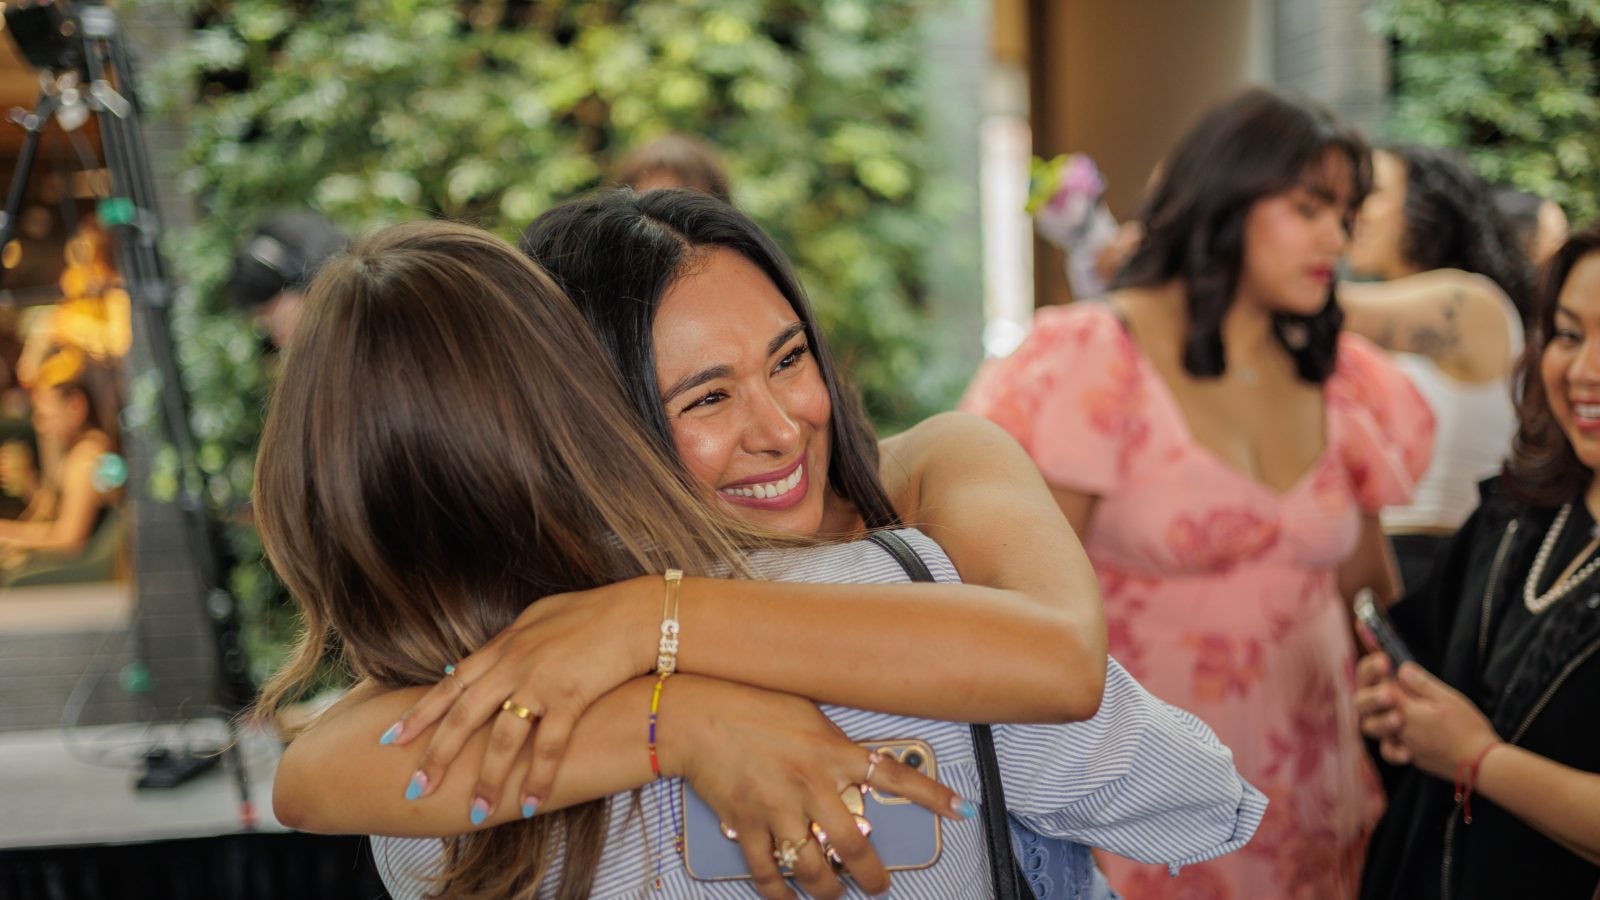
787,853
521,712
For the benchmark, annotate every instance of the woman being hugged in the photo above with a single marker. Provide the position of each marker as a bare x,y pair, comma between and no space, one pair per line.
1495,718
1450,306
1224,452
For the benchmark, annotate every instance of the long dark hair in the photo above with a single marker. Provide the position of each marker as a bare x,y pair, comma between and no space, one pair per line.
616,252
1544,471
477,472
1453,222
1256,145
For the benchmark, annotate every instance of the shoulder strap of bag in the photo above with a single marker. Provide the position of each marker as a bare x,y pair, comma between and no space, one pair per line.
1004,873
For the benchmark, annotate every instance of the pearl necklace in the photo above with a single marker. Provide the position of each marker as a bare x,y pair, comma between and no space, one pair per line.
1538,603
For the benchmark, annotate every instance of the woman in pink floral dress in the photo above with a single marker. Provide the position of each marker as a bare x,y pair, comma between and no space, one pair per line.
1225,450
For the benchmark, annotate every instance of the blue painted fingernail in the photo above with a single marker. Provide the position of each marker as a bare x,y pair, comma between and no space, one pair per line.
390,735
419,783
964,808
529,807
480,811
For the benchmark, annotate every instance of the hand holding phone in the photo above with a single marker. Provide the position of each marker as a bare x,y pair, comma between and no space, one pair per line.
1379,631
904,834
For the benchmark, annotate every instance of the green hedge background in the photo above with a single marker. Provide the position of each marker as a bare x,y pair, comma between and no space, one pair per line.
1514,83
378,111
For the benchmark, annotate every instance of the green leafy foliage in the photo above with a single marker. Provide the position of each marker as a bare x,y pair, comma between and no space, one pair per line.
378,111
1515,83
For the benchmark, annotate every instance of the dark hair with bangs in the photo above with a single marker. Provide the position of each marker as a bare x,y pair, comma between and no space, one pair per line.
1544,471
1254,146
616,252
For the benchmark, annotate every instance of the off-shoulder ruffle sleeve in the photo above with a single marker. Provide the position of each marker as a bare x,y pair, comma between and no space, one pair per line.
1070,395
1385,426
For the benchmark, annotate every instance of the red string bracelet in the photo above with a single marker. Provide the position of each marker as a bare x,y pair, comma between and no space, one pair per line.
1467,780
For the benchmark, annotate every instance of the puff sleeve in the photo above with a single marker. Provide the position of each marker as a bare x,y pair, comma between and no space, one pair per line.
1070,395
1385,426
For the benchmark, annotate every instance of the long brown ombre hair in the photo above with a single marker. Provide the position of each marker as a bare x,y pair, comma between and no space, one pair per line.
448,444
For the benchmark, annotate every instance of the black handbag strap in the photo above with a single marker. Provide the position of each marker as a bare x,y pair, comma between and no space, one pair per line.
1007,880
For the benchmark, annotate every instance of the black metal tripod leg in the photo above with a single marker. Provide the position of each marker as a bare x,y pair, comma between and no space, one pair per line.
33,123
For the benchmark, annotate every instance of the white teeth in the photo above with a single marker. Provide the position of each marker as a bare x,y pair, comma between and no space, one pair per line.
770,489
1587,410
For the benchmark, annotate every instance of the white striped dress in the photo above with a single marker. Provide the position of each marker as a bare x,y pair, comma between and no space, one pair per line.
1141,779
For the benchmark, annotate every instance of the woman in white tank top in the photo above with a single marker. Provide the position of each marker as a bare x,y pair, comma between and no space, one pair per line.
1449,305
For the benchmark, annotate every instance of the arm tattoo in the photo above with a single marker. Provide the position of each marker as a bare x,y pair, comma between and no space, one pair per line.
1444,338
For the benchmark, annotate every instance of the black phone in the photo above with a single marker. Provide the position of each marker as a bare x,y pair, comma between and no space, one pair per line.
1379,631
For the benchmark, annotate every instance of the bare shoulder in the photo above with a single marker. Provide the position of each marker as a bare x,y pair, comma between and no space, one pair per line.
85,454
943,453
944,434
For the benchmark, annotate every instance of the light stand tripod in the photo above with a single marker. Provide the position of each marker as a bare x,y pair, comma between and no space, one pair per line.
73,44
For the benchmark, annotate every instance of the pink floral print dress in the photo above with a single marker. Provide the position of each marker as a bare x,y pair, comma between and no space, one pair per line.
1221,593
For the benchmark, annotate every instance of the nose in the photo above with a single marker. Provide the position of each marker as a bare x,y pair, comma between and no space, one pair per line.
770,428
1338,231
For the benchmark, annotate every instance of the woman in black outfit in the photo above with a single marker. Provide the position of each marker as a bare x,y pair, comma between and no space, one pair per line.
1501,796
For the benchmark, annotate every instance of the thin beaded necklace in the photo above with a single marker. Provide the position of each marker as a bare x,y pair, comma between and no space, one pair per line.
1538,603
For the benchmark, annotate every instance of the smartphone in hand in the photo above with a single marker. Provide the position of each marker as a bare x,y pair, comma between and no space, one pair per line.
1379,631
905,835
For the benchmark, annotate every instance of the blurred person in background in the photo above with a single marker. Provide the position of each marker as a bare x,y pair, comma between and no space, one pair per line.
72,499
1450,306
674,161
1540,224
17,451
1494,723
275,264
1224,449
93,315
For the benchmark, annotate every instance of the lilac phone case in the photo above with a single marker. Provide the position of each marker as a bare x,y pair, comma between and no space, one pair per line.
905,835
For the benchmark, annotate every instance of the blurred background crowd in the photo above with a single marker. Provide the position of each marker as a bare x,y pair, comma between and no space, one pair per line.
938,171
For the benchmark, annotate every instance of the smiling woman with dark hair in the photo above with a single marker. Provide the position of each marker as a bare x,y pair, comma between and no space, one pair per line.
1495,722
1223,450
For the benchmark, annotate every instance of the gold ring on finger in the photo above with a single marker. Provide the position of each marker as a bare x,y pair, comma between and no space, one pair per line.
787,854
450,672
872,766
521,712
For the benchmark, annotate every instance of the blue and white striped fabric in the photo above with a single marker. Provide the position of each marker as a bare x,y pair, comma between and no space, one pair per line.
1141,779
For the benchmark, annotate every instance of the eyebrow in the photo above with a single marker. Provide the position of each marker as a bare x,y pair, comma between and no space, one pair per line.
712,373
1563,311
1320,191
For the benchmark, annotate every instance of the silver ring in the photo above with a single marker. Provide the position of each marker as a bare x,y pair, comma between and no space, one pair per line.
872,766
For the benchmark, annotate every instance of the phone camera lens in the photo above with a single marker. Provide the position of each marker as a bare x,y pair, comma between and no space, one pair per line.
913,758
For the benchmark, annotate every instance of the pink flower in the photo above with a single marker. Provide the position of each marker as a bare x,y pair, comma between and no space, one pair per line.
1220,539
